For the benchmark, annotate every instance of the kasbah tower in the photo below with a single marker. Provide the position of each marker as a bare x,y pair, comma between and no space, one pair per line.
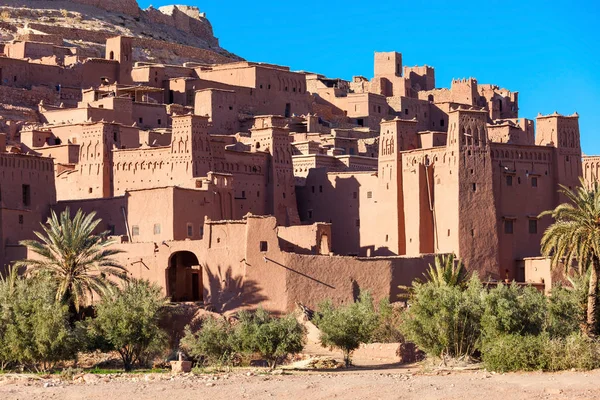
234,183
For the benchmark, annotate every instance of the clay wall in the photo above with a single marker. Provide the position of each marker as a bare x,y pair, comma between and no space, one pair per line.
349,202
525,173
26,192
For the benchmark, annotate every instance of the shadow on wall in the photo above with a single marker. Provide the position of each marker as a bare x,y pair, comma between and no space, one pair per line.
229,293
319,201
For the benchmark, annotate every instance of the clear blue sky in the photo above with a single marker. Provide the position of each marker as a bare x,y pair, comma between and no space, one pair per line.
548,50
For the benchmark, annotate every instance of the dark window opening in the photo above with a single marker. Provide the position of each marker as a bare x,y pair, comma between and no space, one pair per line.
474,187
406,111
354,195
508,226
441,122
360,122
264,246
159,121
243,194
508,180
358,222
115,136
320,189
310,214
21,219
190,230
26,191
533,226
288,110
519,180
379,109
312,189
141,120
534,182
369,195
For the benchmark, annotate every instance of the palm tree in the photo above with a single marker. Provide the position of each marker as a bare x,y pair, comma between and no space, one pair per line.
446,271
574,237
77,259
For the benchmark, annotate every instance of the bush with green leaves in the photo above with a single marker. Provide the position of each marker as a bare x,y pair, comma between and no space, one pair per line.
445,320
35,332
214,343
514,352
347,326
387,329
566,311
271,337
129,321
510,309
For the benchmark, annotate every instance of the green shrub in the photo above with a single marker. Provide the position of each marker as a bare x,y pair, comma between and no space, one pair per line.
273,338
346,327
510,309
214,343
34,327
513,352
445,320
566,311
388,324
574,351
129,321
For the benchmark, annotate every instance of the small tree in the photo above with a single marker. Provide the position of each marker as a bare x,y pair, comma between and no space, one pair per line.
273,338
445,320
346,327
34,326
215,341
129,321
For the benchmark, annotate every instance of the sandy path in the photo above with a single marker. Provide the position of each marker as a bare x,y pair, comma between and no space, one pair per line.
347,384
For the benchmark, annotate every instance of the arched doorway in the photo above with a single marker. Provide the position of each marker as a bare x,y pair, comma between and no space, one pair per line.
184,277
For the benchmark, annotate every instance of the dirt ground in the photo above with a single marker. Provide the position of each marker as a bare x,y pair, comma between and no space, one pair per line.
358,383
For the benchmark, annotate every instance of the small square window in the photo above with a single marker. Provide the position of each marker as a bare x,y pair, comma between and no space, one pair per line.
190,230
533,226
264,246
508,180
369,195
159,121
441,122
508,226
474,185
135,230
141,120
157,229
534,182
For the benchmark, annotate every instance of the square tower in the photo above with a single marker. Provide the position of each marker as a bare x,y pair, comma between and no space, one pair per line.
119,48
388,64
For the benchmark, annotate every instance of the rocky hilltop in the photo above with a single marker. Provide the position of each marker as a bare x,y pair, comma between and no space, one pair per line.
86,24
